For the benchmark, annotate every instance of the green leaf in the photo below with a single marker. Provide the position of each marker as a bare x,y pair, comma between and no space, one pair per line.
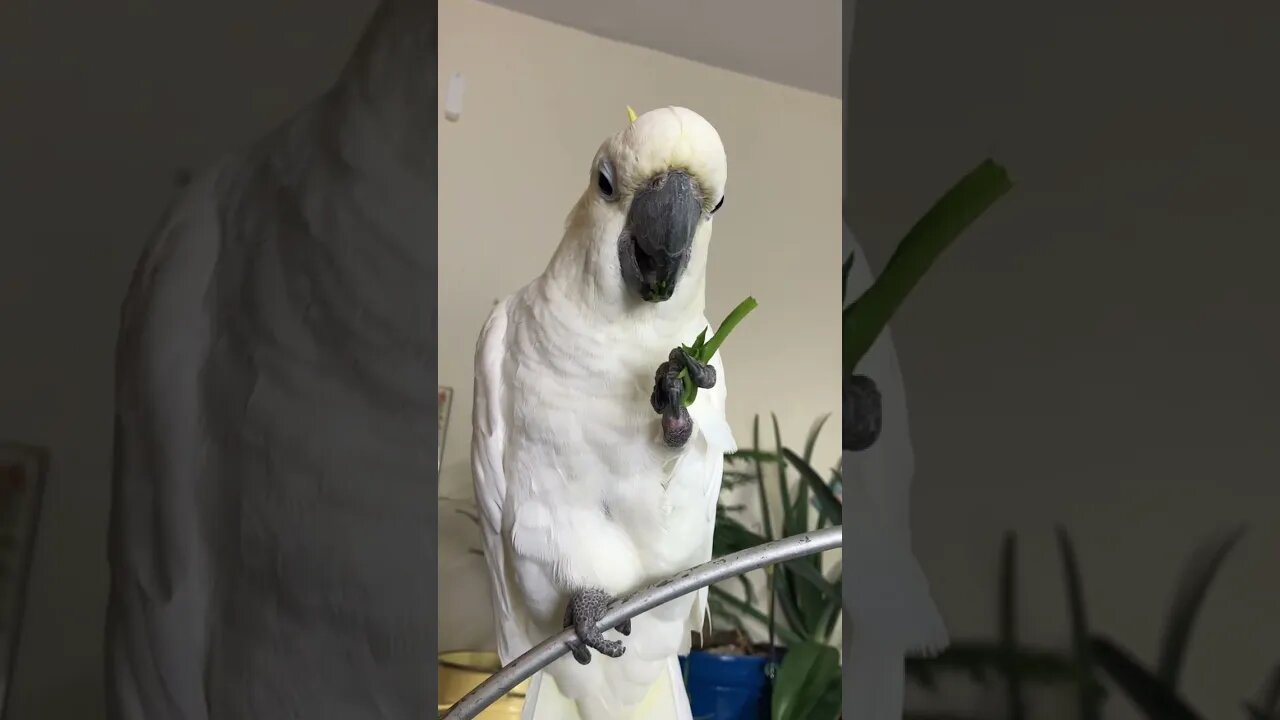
1009,625
756,455
720,612
785,593
977,658
730,322
792,599
844,277
784,489
750,611
964,203
812,439
1193,585
760,485
835,481
1087,689
808,684
831,612
1153,697
815,606
730,479
748,591
707,348
812,578
801,519
732,536
827,500
701,343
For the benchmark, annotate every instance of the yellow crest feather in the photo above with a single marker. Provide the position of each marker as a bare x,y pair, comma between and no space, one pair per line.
631,114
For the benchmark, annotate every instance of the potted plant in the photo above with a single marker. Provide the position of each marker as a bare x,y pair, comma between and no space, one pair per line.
796,673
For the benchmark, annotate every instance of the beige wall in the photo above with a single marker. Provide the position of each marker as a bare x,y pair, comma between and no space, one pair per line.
540,98
1101,350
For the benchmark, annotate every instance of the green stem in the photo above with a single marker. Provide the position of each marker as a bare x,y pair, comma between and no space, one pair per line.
726,327
964,203
709,348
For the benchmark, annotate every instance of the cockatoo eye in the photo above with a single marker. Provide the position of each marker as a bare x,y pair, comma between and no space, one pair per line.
604,179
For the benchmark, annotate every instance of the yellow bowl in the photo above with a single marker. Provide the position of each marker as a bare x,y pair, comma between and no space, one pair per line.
460,671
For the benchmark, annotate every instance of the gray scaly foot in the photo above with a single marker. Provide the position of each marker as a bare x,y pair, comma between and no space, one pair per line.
585,609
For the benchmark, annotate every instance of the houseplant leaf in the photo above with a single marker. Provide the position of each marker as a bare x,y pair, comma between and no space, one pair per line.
844,277
978,658
1193,585
1153,697
1009,625
808,683
738,605
967,200
1090,707
828,502
706,349
783,582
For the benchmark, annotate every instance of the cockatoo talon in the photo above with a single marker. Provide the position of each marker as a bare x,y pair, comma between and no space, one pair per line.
583,613
702,374
677,427
861,413
668,391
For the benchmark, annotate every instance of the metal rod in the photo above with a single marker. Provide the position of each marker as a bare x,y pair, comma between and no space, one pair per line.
549,650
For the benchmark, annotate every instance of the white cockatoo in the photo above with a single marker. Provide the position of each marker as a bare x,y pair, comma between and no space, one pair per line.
892,613
270,535
591,478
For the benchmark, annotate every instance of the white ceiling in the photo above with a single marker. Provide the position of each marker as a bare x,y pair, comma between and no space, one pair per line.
793,42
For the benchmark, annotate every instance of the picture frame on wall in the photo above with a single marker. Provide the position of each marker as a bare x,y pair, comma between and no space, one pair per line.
23,469
446,405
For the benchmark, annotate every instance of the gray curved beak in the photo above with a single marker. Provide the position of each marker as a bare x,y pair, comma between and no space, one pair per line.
655,244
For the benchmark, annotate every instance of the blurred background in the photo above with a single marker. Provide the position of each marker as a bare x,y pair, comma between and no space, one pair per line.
1099,350
105,104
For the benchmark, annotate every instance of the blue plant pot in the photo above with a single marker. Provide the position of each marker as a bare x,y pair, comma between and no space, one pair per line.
727,687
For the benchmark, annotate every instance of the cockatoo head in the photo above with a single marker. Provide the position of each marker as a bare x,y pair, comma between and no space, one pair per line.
647,212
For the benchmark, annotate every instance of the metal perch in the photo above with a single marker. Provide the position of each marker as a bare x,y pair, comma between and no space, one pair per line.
549,650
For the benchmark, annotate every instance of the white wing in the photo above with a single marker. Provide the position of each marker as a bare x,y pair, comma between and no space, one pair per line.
709,415
158,564
892,613
488,442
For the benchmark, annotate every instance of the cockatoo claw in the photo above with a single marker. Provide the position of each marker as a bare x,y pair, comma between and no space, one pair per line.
668,389
583,613
861,413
